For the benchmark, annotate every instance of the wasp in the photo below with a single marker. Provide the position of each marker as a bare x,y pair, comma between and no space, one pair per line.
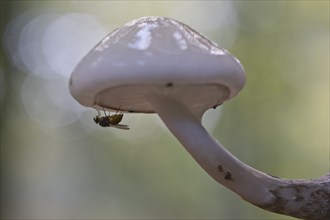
110,120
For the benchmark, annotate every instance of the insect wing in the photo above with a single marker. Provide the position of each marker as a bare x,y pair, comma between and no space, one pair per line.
120,126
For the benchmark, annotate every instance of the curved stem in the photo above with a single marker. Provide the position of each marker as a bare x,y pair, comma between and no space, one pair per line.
297,198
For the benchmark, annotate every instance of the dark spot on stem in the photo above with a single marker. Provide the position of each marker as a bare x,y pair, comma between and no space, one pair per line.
214,106
220,168
169,84
130,111
228,176
70,81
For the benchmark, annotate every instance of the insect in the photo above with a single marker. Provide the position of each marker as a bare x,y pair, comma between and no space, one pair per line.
110,121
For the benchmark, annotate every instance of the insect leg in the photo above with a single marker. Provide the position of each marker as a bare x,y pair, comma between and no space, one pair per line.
104,112
98,113
97,118
117,110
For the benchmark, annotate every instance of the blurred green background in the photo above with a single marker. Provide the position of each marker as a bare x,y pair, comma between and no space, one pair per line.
56,163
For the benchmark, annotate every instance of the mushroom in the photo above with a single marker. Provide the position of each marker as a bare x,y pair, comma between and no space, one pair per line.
159,65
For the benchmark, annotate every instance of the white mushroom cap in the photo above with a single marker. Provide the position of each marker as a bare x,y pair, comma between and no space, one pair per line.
156,55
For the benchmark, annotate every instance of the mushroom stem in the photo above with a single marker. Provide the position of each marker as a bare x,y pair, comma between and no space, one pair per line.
298,198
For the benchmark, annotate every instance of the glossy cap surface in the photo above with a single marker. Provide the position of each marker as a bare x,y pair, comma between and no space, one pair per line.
155,55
